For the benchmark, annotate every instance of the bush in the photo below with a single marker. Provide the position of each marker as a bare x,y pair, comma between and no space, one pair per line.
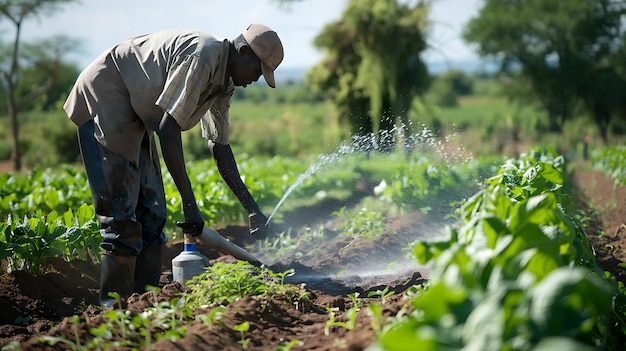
5,149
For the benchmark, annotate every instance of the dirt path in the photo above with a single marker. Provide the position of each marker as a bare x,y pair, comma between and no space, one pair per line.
607,210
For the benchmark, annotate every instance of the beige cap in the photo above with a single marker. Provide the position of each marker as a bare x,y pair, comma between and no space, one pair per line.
267,46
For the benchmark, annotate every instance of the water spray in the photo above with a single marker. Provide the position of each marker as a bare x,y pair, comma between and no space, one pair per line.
322,161
364,143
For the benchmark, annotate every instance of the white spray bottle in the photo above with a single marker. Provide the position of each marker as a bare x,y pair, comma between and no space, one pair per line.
189,263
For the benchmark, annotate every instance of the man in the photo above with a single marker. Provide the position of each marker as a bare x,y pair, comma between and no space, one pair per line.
162,83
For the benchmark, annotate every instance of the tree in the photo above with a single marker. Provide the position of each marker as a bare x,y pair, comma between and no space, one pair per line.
567,51
17,12
447,87
336,76
373,70
45,77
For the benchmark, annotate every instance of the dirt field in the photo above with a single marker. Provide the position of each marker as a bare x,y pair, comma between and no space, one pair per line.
33,306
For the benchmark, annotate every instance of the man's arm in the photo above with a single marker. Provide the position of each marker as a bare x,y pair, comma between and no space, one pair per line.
172,150
227,166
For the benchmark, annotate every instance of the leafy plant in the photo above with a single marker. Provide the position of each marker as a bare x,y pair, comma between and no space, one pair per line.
350,319
383,294
242,328
361,223
516,273
225,282
27,244
611,160
166,319
288,345
349,316
43,191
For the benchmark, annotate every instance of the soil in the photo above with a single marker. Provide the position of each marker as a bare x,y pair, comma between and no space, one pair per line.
33,306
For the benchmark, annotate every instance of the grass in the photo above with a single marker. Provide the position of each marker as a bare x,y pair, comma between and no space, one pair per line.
288,129
269,122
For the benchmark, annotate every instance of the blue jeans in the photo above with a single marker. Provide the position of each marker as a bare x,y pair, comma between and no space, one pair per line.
129,199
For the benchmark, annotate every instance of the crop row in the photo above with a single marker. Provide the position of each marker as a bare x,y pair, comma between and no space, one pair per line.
515,274
611,161
48,213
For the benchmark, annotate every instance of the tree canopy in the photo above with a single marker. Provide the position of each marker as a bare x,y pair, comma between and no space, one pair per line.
569,51
373,69
18,11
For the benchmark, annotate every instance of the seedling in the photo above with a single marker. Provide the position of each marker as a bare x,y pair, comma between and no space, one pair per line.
383,294
227,282
242,329
117,297
212,317
74,345
375,312
361,223
289,345
350,315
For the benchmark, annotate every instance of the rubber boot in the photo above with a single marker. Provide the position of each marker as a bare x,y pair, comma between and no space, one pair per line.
116,275
148,268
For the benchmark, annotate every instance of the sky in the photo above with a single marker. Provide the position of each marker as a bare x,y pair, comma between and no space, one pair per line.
99,25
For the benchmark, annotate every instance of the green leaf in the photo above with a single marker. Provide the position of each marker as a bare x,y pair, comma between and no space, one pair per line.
562,343
85,214
439,300
68,218
484,327
567,298
407,334
51,198
422,252
493,228
243,327
427,251
542,262
551,174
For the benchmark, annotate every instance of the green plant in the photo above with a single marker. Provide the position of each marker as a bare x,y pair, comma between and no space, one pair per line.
288,345
42,191
514,275
125,329
229,281
242,329
383,294
74,345
361,223
27,244
213,316
22,320
375,312
349,316
611,160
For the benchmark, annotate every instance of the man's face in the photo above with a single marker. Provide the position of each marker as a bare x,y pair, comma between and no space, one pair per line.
248,68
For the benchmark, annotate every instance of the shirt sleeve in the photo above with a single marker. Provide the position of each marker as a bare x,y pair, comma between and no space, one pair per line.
215,124
183,86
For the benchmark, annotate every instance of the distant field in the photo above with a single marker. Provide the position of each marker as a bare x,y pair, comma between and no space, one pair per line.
267,124
286,129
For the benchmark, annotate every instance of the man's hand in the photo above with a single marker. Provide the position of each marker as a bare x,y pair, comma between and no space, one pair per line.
193,228
258,223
